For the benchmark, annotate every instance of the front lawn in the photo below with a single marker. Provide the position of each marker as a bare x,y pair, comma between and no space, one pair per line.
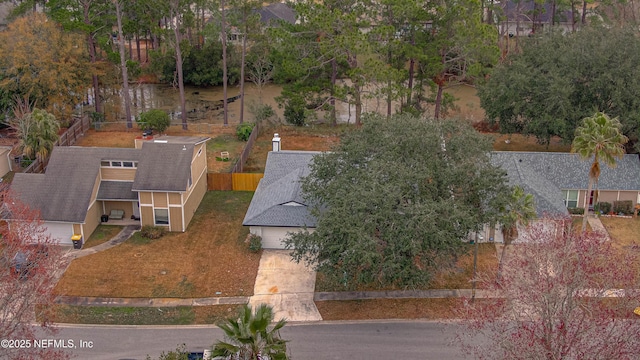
209,259
102,234
623,232
457,277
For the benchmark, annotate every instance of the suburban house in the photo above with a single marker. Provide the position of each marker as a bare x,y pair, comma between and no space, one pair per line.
277,207
524,18
159,182
560,180
556,180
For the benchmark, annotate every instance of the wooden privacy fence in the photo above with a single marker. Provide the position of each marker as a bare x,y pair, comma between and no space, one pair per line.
233,182
239,166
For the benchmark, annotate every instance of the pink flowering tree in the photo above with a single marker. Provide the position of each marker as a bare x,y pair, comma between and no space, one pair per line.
563,294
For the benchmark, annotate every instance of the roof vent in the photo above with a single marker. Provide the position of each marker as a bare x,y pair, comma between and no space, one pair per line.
184,147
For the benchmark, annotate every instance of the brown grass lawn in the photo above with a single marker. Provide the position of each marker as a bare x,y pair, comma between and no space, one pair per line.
389,309
209,259
102,234
458,277
623,232
313,138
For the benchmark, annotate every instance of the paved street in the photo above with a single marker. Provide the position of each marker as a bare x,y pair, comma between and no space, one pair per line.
405,340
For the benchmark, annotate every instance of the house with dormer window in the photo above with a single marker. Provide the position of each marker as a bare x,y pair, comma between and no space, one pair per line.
160,182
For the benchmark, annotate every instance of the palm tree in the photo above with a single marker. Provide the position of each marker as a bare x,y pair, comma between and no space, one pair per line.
599,138
249,336
40,133
518,209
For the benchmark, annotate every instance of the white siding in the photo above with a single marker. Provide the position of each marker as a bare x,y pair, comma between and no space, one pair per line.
60,232
272,237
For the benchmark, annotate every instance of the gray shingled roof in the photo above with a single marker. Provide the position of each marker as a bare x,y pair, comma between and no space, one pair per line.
116,190
546,174
277,11
164,167
569,172
279,186
547,196
63,192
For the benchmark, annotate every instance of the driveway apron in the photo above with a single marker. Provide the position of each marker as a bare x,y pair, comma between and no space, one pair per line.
287,286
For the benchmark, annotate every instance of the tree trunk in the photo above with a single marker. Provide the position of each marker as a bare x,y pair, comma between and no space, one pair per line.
584,13
587,195
92,56
123,65
242,65
138,47
334,77
357,100
183,105
223,35
412,64
436,112
130,50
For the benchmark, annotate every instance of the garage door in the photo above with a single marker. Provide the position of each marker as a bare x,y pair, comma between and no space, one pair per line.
272,236
60,232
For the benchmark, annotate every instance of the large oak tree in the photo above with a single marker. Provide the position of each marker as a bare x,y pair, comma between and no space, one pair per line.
395,199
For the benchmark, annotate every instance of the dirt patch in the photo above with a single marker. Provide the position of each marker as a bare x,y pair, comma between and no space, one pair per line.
308,138
517,142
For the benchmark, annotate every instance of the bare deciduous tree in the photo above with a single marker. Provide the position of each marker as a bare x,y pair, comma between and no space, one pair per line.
30,264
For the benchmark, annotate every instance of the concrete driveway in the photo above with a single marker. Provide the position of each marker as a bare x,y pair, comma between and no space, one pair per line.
286,286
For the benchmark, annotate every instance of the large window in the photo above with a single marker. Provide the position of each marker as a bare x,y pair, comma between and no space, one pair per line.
118,164
161,216
570,198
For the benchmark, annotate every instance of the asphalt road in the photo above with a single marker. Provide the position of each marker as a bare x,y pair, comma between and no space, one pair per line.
401,340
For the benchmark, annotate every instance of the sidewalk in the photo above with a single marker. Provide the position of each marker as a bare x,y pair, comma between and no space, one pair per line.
123,235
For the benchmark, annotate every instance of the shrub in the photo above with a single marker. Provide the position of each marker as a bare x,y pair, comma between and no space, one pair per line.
243,131
295,112
623,207
604,207
262,112
154,119
152,232
255,243
576,211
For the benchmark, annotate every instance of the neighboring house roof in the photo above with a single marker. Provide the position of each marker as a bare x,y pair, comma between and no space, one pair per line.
63,192
278,199
547,195
568,171
277,11
154,171
546,174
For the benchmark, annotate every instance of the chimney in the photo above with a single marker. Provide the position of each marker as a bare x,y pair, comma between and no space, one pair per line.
275,142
